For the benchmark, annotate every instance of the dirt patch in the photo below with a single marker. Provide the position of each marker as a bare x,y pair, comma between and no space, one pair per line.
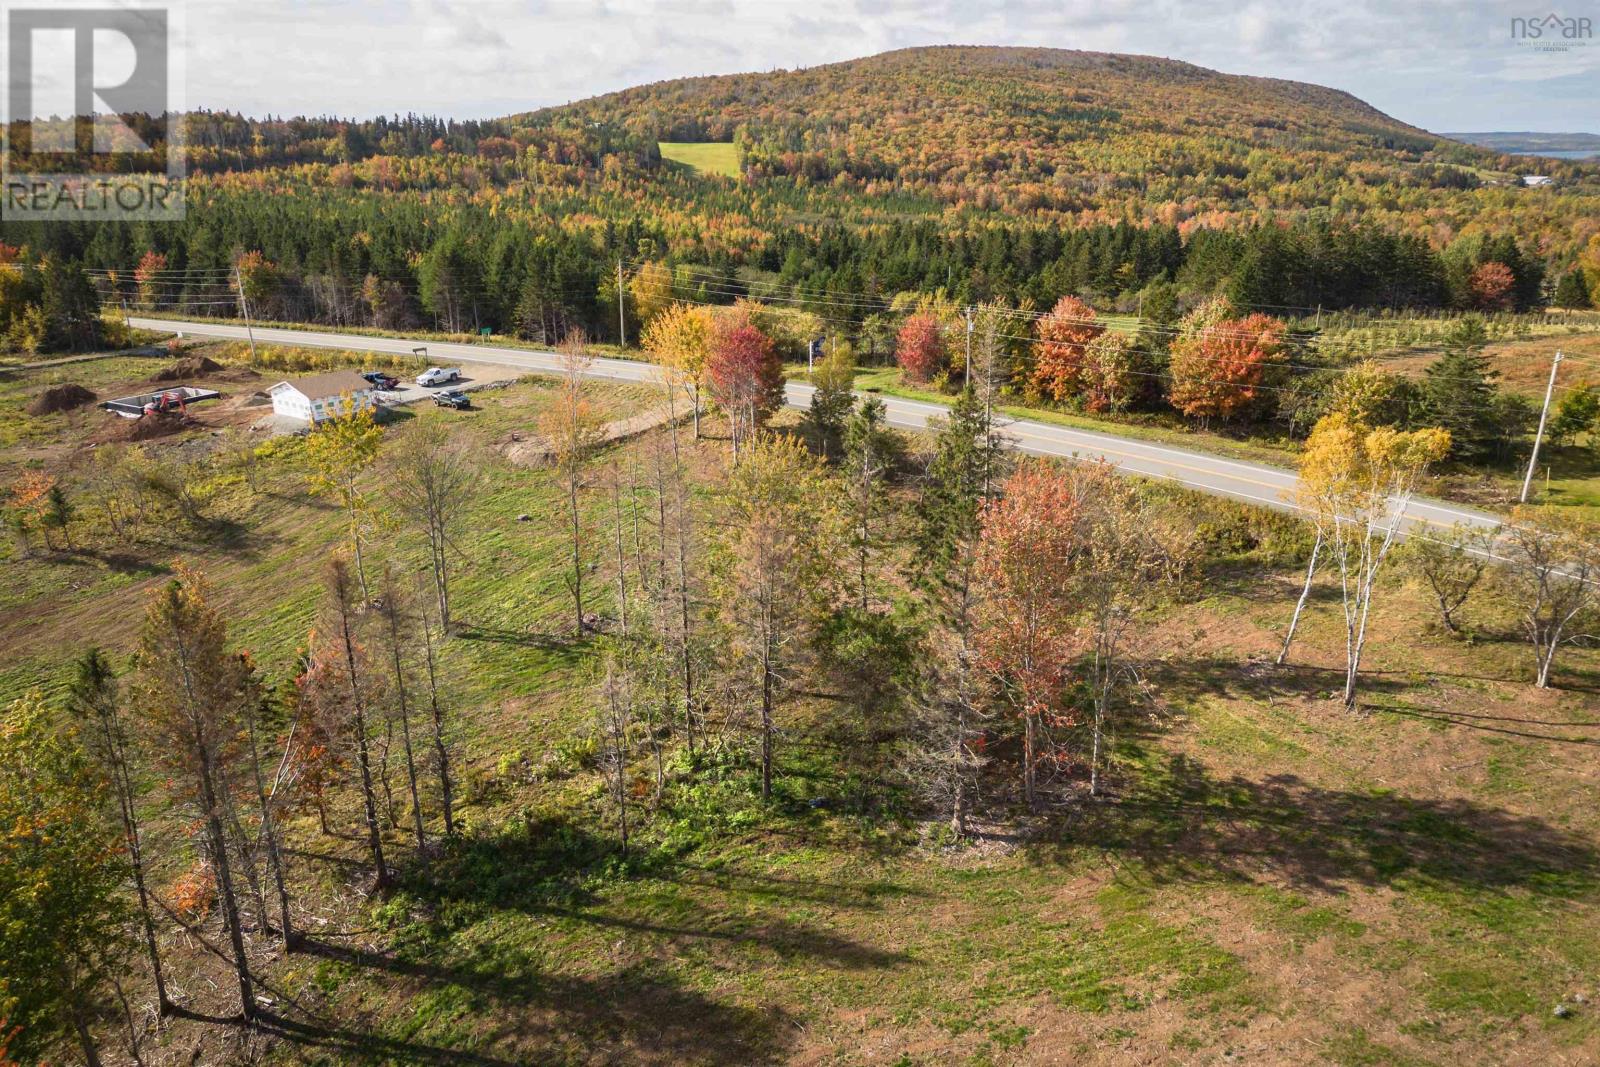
188,367
66,397
148,428
531,450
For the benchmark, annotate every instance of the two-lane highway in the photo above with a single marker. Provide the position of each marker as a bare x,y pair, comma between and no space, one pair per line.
1253,483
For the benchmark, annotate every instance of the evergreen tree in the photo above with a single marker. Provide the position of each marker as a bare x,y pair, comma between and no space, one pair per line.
964,471
62,920
70,306
1458,393
1572,291
833,401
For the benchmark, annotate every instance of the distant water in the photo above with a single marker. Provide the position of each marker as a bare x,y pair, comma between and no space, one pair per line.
1563,153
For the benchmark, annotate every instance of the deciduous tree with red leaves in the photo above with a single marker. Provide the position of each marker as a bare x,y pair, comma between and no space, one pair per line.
152,268
1492,286
745,376
920,348
1222,367
1027,629
1064,335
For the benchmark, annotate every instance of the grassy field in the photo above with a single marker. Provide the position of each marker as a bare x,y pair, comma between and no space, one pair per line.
704,157
1271,880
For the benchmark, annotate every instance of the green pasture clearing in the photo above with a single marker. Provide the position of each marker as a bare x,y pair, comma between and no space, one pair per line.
705,157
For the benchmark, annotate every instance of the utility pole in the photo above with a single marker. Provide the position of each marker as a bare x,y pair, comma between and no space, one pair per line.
244,305
1544,413
622,317
969,345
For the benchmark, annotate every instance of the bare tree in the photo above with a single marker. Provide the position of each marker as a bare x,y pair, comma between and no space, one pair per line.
1452,565
1305,589
945,760
616,719
441,751
675,586
1554,558
267,801
431,481
571,429
1130,560
394,611
339,678
619,527
94,699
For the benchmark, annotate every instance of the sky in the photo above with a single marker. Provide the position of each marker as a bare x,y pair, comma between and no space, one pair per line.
1444,66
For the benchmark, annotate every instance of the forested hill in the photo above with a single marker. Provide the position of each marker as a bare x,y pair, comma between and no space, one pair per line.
990,173
1031,129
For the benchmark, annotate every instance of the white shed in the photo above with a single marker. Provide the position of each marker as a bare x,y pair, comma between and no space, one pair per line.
321,396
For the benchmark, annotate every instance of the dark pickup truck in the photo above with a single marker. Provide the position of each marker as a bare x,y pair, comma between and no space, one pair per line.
452,398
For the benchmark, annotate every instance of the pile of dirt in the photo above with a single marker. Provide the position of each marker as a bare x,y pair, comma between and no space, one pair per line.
60,398
148,428
189,367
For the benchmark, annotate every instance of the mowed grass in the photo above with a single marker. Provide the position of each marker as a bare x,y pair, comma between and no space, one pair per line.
1269,877
704,157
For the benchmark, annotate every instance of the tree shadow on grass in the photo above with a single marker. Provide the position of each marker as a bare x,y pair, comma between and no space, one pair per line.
1182,824
1532,729
124,563
354,1046
1187,679
547,868
636,1008
565,643
625,997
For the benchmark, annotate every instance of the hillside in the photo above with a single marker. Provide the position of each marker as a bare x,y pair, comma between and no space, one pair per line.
1041,130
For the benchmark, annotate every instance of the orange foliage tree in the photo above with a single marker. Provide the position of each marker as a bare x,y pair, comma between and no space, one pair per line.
1030,540
1223,367
920,348
1064,336
148,275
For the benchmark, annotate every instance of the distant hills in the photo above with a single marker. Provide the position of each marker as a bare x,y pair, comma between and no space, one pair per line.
1528,141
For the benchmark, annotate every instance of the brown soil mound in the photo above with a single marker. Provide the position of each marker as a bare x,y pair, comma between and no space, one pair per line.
147,428
60,398
190,367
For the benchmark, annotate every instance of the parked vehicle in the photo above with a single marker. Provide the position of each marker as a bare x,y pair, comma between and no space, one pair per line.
452,398
380,380
439,376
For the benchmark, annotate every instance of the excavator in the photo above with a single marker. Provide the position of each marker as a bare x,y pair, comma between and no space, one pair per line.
167,403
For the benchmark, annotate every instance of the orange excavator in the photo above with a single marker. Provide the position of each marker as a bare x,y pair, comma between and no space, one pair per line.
166,403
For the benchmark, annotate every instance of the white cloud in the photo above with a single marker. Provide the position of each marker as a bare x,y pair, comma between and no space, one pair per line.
1434,63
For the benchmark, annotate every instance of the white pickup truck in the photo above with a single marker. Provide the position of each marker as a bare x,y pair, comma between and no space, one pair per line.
439,376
